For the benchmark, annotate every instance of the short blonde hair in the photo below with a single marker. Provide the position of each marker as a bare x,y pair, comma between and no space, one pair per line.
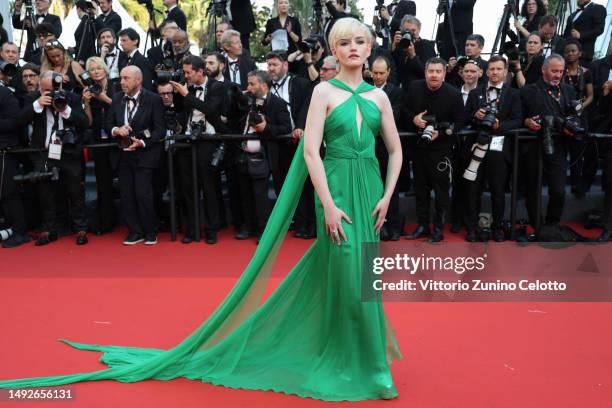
345,28
99,61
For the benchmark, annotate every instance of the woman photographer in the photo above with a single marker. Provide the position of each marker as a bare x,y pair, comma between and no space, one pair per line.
97,98
532,11
532,70
308,59
56,58
284,22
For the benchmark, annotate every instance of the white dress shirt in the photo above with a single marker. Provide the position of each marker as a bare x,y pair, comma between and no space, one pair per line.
38,108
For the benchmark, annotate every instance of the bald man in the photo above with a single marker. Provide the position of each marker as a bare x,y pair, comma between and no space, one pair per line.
136,120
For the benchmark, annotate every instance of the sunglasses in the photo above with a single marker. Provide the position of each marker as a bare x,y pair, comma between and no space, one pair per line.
54,44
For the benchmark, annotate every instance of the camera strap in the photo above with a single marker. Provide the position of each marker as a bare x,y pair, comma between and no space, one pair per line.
55,144
549,97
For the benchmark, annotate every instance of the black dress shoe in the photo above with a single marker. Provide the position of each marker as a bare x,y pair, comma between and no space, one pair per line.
472,236
15,241
187,239
46,239
210,238
133,239
498,235
384,234
243,234
394,236
81,239
419,232
605,236
299,233
436,236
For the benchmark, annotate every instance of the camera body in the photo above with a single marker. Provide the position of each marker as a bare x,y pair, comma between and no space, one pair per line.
309,45
8,69
256,110
67,136
432,125
407,39
91,85
163,76
490,116
59,98
38,176
170,119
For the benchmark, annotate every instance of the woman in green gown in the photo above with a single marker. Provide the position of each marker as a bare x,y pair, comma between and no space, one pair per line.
313,336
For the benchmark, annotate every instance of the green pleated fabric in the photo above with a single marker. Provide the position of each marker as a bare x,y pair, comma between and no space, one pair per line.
313,336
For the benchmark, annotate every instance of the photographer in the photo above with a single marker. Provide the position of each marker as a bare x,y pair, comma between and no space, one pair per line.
204,102
129,40
291,25
474,45
462,14
546,108
268,117
336,10
56,58
529,71
295,92
9,54
552,41
44,34
41,16
97,99
57,120
85,33
10,200
163,52
109,52
180,49
308,59
30,75
410,52
329,69
493,109
173,13
108,18
239,64
136,120
436,111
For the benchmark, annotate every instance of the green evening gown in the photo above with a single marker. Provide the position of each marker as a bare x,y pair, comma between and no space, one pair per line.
313,336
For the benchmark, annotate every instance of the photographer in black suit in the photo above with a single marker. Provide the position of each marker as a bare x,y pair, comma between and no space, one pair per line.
434,109
296,92
242,19
493,108
239,63
173,13
57,120
462,14
109,52
381,71
410,56
551,98
163,52
204,102
42,16
108,18
129,40
136,120
586,24
10,200
268,117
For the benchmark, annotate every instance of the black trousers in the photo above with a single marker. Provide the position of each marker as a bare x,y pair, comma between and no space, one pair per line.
70,183
208,181
460,186
583,164
10,199
432,172
555,176
104,185
255,203
605,149
494,170
394,219
137,207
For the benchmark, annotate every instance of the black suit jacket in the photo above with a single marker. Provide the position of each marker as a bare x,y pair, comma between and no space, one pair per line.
9,112
510,112
77,119
590,25
278,124
601,119
141,62
396,97
113,21
412,69
274,24
403,7
49,18
243,19
536,102
178,16
214,106
149,116
246,65
300,92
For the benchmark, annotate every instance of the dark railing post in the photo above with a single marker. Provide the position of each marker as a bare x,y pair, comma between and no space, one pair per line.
514,192
171,189
196,191
538,214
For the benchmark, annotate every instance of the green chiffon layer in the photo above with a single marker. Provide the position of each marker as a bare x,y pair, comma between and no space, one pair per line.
313,337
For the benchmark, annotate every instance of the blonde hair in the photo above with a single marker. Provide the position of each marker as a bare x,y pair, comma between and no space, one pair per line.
45,63
345,28
99,61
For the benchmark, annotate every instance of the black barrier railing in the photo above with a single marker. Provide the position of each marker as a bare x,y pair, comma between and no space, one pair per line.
186,141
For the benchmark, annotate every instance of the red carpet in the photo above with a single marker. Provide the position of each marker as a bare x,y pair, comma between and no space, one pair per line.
455,354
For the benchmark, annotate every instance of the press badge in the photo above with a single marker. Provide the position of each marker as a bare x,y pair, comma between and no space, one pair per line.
55,148
497,143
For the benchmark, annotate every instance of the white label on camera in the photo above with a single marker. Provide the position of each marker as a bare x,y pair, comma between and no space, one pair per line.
55,151
497,143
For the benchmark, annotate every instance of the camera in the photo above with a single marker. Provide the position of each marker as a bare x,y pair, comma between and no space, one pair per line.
8,69
490,116
548,127
67,136
92,86
483,140
170,119
59,99
37,176
164,76
309,45
407,39
427,134
256,112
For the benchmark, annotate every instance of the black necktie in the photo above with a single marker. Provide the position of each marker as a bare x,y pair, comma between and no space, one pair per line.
110,55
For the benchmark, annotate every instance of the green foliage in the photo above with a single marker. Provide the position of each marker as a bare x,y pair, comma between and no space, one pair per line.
258,50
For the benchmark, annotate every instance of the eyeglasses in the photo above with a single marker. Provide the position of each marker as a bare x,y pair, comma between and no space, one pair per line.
327,69
54,44
29,76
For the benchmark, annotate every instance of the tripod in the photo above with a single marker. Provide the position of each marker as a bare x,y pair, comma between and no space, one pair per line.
29,14
153,37
444,9
504,26
318,16
215,13
564,10
87,46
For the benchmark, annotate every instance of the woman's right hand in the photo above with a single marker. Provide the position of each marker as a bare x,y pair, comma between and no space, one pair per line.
333,223
87,95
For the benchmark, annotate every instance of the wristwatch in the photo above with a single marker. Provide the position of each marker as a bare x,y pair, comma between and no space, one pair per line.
308,64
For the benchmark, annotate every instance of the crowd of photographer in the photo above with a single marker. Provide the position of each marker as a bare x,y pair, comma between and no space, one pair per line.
134,109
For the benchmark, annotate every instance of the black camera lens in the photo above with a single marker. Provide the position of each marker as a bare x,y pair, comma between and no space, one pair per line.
8,69
407,39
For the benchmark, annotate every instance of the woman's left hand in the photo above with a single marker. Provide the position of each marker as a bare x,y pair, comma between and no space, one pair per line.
381,208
